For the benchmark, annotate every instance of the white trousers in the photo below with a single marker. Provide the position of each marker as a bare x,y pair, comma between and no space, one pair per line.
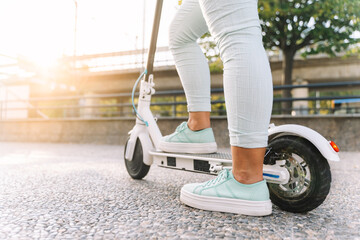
247,79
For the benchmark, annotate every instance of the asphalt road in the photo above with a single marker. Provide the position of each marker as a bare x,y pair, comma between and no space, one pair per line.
71,191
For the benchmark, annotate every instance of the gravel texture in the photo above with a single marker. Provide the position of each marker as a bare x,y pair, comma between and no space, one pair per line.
72,191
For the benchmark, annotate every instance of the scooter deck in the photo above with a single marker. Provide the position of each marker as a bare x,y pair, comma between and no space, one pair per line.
191,162
211,164
205,157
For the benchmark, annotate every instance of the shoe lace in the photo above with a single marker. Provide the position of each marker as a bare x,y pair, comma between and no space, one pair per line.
221,177
181,127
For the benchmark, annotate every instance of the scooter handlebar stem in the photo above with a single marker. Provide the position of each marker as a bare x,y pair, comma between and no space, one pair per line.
153,40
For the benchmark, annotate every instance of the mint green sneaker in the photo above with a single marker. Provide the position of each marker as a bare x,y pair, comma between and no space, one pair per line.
184,140
225,194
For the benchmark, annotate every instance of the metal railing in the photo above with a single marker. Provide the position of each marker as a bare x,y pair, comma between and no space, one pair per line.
123,60
170,103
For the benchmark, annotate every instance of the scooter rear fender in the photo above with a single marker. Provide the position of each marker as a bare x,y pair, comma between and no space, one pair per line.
314,137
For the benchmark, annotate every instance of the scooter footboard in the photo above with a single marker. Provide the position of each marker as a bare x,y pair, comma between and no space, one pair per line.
212,164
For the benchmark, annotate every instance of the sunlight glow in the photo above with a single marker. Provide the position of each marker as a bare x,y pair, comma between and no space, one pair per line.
43,30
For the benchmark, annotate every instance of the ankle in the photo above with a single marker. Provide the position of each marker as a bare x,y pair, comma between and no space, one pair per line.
246,177
198,120
196,125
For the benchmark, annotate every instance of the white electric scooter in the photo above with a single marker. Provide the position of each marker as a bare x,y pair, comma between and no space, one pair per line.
295,164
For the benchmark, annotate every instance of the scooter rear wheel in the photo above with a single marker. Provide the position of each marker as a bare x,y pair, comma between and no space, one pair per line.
136,168
310,175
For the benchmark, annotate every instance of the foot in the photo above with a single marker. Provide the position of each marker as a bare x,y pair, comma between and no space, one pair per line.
184,140
225,194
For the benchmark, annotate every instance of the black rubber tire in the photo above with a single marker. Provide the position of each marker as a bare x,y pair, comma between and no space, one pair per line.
320,175
136,168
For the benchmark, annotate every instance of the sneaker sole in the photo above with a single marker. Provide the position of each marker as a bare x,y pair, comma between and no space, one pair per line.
188,147
230,205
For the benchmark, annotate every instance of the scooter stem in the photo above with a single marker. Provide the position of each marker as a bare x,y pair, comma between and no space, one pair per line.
153,40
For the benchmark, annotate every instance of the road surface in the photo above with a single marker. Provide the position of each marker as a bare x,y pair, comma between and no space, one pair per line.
77,191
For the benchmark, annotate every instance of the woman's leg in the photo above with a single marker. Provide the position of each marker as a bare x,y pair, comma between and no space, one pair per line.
196,135
187,26
248,87
248,94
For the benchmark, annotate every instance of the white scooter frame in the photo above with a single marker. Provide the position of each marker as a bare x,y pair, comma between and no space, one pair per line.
150,136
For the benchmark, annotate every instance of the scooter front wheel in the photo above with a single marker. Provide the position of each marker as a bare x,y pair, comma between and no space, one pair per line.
136,168
310,175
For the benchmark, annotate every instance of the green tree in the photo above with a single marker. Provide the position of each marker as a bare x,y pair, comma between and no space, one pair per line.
322,26
313,26
211,52
209,47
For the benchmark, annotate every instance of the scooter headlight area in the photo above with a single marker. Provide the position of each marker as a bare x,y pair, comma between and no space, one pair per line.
295,165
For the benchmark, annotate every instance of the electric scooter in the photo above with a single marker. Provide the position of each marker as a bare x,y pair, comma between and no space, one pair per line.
296,164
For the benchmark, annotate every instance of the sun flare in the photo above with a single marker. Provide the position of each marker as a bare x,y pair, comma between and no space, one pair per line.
42,31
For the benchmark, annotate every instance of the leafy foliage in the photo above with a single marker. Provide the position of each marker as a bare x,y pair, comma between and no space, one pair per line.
209,47
294,24
322,26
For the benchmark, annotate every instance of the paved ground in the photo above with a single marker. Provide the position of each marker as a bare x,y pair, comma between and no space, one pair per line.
68,191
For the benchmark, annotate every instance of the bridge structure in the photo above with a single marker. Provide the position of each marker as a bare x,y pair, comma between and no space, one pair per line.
116,72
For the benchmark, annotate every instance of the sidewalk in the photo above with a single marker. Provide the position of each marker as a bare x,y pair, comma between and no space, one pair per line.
73,191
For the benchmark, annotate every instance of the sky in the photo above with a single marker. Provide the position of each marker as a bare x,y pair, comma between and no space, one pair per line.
43,30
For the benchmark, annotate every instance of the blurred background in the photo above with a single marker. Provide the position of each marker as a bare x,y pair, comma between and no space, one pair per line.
78,60
62,48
